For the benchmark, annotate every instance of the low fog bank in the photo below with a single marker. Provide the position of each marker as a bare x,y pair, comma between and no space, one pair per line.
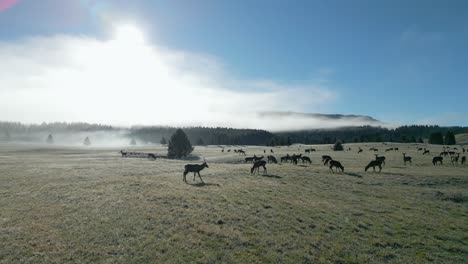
96,138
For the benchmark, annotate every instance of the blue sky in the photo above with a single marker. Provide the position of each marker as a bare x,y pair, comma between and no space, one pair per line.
399,61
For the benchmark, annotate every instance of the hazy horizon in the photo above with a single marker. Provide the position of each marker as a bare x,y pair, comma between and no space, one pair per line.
117,63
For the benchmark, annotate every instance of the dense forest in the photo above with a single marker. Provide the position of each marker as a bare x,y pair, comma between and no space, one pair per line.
230,136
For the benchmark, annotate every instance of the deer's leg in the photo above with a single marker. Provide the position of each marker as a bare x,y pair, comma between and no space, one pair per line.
200,178
194,174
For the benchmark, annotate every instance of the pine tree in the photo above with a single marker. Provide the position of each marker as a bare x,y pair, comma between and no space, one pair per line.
338,146
200,142
50,139
7,136
436,138
450,138
87,142
179,145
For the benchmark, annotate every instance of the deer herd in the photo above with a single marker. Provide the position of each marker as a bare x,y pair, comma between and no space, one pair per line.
333,165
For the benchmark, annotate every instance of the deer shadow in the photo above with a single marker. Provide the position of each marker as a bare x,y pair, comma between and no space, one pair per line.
354,174
271,176
201,184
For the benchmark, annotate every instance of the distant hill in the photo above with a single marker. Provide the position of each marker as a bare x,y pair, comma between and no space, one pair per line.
362,118
462,138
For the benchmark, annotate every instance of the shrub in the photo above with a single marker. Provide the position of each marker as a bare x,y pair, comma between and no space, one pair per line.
338,146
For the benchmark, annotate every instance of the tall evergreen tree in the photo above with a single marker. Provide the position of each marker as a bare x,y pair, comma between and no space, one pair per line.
86,141
179,145
450,138
50,139
200,142
436,138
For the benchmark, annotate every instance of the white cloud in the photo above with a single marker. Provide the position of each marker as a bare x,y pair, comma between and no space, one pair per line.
125,81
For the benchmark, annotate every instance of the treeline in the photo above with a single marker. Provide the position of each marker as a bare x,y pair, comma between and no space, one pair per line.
230,136
205,135
403,134
56,127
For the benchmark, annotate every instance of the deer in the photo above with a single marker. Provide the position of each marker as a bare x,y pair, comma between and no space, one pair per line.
373,164
455,159
241,152
436,160
360,150
426,151
389,149
124,154
463,160
305,158
151,156
407,159
325,163
325,157
272,159
396,149
420,149
271,150
307,151
285,158
381,158
195,168
250,159
255,158
256,167
337,165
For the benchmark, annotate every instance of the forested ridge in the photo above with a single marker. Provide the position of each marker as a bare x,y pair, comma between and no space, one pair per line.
231,136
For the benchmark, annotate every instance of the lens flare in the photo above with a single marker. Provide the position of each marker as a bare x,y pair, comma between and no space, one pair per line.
5,4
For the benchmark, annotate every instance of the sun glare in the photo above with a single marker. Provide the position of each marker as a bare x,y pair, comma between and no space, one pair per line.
129,35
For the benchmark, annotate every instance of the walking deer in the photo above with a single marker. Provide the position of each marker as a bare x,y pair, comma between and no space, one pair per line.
195,168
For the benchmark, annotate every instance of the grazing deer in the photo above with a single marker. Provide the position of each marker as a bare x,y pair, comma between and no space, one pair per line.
255,158
271,150
438,159
286,158
305,158
151,156
195,168
381,158
326,157
463,160
124,154
455,159
307,151
336,164
222,150
250,159
420,149
426,151
373,164
257,165
407,159
389,149
272,159
241,152
396,149
360,150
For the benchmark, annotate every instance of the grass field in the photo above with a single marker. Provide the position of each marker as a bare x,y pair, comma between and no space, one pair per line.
89,205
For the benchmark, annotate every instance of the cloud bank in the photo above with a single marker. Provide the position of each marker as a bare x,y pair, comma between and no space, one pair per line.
125,81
